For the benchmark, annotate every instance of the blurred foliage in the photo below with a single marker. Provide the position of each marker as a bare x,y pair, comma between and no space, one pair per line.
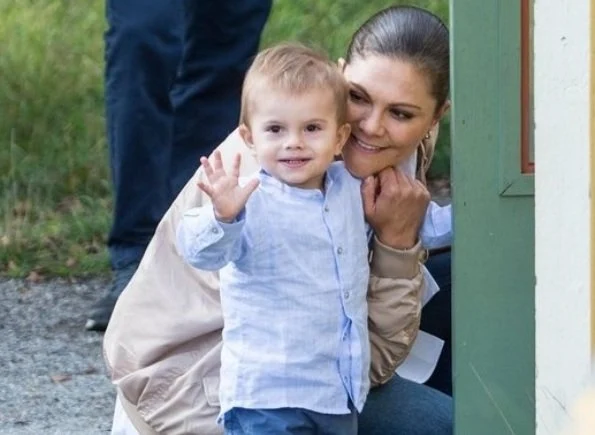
54,177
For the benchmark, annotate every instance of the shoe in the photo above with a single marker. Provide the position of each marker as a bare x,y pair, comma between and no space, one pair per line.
102,310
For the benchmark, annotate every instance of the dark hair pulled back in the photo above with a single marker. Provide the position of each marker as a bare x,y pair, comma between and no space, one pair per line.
411,34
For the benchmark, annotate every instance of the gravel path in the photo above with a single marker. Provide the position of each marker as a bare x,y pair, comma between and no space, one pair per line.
52,376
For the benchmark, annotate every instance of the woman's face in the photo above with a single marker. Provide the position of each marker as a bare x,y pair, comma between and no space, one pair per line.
390,111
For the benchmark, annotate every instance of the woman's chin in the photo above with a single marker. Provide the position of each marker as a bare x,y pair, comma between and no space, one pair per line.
359,164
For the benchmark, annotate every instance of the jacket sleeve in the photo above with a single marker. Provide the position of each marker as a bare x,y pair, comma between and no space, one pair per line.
394,307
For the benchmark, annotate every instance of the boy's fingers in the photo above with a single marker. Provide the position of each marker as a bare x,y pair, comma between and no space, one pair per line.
235,170
217,161
205,188
250,187
206,165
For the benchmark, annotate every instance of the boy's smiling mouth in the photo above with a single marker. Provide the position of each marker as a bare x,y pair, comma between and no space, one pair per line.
294,163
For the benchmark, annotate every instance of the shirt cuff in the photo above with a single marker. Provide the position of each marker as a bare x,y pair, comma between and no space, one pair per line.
201,229
388,262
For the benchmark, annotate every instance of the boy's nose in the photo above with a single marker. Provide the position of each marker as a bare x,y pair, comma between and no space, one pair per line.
293,142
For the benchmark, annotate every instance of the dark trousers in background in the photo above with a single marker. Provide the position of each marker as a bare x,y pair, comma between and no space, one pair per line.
436,319
174,71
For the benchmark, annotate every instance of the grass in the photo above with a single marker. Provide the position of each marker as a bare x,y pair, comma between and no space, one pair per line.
54,177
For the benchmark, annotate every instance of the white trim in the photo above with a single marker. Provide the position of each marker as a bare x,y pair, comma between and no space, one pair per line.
562,208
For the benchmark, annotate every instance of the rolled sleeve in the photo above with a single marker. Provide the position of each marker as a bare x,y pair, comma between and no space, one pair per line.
387,262
394,307
205,242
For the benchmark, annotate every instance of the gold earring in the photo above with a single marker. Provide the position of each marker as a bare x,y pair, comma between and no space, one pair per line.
427,136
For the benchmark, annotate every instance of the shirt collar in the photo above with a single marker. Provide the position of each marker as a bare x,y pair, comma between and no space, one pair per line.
272,184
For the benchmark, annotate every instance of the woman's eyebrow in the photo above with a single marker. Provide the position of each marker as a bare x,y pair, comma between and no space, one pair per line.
359,88
363,91
411,106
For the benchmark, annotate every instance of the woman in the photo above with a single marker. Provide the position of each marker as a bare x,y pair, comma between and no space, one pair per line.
397,67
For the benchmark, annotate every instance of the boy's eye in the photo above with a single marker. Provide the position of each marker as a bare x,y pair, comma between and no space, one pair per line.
312,128
356,97
273,128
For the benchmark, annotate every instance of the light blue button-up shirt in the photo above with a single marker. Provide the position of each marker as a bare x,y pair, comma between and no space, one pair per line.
436,231
294,276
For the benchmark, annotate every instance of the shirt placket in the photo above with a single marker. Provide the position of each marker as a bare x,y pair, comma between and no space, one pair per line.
339,252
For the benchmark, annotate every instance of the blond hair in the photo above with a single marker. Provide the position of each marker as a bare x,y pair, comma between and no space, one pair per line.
294,68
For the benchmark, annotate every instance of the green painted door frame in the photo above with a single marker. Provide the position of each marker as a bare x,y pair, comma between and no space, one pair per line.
493,260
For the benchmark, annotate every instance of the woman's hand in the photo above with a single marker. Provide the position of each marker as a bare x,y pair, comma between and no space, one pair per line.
227,196
395,205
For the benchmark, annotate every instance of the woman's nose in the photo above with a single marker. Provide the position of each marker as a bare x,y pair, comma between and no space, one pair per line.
371,124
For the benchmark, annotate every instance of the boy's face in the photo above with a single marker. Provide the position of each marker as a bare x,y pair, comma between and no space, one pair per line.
295,136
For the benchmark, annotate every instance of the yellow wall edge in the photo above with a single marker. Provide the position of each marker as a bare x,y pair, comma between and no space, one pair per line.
592,169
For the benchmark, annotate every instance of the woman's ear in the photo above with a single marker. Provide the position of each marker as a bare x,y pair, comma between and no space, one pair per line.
342,135
341,64
246,136
441,112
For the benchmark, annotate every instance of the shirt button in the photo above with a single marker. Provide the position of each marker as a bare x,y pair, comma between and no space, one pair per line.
339,250
214,230
346,294
326,208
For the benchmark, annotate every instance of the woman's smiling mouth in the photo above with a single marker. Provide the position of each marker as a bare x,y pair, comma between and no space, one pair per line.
364,147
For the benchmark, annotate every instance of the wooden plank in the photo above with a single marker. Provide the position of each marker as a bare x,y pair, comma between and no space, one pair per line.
494,298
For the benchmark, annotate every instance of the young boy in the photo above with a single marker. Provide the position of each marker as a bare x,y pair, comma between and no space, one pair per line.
292,246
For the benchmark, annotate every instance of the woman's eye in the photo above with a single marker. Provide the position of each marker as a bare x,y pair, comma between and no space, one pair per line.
312,128
355,97
399,114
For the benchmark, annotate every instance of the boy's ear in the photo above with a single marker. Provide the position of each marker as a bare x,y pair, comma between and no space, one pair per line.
342,135
246,136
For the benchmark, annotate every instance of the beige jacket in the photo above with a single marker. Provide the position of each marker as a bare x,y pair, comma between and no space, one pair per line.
163,343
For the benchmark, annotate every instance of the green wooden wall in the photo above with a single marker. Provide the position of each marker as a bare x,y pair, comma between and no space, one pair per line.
493,267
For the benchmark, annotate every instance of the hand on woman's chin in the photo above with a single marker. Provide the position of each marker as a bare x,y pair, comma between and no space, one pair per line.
394,205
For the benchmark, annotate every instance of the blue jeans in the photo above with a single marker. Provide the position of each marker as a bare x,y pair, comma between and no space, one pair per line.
403,407
174,71
288,421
